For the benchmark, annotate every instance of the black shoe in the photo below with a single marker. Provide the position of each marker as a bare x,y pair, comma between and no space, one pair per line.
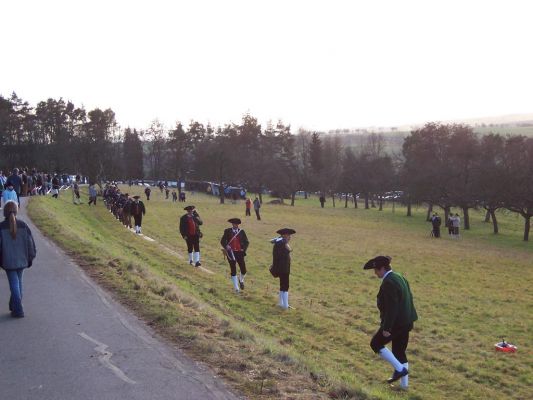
197,264
15,315
191,262
397,375
241,284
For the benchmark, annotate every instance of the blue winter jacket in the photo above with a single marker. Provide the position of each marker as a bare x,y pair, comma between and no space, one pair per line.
19,252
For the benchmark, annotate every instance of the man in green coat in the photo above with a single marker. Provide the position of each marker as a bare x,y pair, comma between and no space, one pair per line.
397,313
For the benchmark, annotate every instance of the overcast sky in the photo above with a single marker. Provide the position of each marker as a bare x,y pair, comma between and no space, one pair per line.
314,64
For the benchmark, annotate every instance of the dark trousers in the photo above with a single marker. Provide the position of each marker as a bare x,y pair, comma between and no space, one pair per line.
239,259
399,339
138,219
283,282
248,212
436,231
193,242
257,215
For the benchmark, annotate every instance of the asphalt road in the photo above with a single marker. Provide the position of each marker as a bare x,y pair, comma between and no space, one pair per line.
77,343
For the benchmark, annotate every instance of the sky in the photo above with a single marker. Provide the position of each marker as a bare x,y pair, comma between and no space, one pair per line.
315,65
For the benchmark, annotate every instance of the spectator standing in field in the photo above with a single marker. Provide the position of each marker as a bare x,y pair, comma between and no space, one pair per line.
456,223
16,181
281,264
147,192
167,192
322,200
257,206
235,243
18,252
182,197
174,196
92,194
190,231
436,222
137,211
397,314
248,204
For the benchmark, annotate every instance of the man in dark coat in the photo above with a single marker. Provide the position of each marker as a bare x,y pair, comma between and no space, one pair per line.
147,192
234,244
436,222
190,231
397,313
281,263
137,211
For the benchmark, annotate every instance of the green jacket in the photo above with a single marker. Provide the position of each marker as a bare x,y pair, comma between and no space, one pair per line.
395,303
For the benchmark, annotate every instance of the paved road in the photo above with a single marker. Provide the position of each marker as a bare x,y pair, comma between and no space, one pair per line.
76,343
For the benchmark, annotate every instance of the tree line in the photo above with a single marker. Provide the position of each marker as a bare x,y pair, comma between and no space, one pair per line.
442,165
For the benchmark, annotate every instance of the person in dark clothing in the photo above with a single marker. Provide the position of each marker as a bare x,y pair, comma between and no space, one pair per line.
397,313
137,211
174,196
55,186
281,263
257,206
190,231
436,222
322,200
234,244
17,253
147,192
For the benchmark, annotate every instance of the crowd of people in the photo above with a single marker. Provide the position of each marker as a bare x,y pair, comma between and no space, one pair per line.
453,223
394,302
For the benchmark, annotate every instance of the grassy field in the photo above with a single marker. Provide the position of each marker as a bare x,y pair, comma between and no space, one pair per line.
468,294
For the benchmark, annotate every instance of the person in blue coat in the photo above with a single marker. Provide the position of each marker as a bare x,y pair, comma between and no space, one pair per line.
18,252
9,194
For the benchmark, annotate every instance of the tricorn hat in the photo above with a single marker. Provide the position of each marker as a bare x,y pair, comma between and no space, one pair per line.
136,197
378,262
189,208
286,231
234,221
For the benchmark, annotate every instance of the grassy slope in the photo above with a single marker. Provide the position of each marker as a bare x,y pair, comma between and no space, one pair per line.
468,293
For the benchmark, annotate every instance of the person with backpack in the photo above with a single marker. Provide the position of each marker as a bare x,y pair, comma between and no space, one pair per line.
18,252
234,244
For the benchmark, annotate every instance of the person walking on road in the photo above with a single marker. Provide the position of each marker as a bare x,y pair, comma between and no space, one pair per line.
397,313
16,182
257,206
18,252
190,231
234,244
281,264
9,194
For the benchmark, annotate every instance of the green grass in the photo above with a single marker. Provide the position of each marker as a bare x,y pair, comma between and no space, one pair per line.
468,294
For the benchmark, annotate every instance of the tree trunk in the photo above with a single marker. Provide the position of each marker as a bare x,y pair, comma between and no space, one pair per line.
494,221
487,215
333,197
430,210
346,200
355,200
305,195
221,192
260,198
446,215
409,204
372,204
366,201
380,198
527,225
292,198
466,218
393,204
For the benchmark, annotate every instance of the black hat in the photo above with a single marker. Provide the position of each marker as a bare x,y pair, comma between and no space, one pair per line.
378,262
189,208
234,221
136,197
285,231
